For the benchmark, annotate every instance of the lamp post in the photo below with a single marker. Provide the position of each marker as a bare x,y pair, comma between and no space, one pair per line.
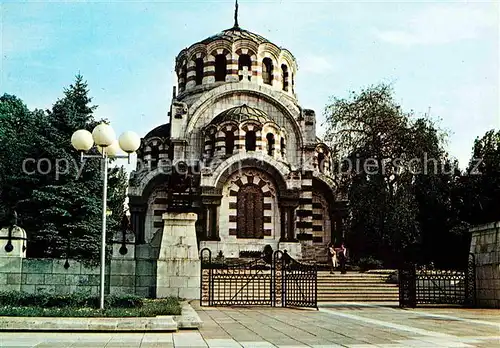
104,137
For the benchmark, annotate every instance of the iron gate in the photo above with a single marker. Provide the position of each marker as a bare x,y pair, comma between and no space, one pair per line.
424,286
269,280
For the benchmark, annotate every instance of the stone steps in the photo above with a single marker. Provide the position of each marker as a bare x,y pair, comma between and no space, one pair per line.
356,287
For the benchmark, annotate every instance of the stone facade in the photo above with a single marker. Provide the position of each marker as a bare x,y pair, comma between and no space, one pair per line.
260,175
485,245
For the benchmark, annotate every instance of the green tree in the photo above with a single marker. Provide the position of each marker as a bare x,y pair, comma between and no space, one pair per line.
481,182
388,151
58,199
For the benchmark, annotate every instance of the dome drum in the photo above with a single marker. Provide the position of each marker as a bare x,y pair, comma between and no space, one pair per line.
235,55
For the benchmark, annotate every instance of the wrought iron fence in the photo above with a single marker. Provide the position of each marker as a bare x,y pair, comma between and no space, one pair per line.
429,286
269,280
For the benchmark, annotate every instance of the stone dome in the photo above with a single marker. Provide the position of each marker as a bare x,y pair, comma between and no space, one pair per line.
240,114
162,131
235,33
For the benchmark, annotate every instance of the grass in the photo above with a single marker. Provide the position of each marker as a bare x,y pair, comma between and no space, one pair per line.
143,308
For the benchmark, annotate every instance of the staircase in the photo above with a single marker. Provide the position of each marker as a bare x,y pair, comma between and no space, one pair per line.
357,287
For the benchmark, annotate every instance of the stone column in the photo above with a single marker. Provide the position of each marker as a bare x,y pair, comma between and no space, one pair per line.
178,266
289,201
485,245
211,200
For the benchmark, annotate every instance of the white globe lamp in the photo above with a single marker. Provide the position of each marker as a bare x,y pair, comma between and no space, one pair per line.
82,140
129,142
103,135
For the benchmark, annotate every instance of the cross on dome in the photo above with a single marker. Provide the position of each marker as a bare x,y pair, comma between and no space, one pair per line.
245,73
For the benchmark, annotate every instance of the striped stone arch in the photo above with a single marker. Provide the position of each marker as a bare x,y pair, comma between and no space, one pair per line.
271,127
191,66
222,129
269,50
243,161
276,98
197,51
322,154
249,126
182,75
209,70
255,67
241,212
245,44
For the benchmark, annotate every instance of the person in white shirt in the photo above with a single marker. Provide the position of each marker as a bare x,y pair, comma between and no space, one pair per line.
333,257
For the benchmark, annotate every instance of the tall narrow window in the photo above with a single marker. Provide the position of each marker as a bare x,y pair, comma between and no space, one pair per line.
321,161
250,213
199,71
211,153
282,147
244,66
182,78
220,67
229,142
155,156
284,77
270,144
292,77
267,71
250,141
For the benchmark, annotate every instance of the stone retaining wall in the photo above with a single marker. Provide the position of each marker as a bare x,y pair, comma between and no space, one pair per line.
50,276
485,245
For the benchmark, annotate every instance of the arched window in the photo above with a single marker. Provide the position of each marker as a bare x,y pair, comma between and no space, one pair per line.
250,141
321,161
220,67
229,142
155,156
267,71
284,77
282,147
199,71
250,213
270,144
211,153
182,78
244,61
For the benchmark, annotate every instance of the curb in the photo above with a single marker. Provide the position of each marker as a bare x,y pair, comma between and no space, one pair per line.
189,319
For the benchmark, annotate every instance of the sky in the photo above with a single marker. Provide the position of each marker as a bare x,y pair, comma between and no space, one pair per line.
441,57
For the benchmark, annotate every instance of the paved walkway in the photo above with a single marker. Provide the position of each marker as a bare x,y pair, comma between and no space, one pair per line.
335,325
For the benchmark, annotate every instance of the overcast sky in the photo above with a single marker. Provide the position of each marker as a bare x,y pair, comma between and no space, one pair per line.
439,56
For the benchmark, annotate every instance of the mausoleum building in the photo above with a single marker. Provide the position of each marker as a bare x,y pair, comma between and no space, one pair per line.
253,169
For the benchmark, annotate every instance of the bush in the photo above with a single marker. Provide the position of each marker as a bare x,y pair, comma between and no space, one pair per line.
150,308
21,299
368,263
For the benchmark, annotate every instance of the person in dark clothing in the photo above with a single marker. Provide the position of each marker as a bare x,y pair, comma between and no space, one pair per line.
342,258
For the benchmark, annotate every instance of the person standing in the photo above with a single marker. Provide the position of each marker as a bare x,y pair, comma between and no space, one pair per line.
333,257
343,258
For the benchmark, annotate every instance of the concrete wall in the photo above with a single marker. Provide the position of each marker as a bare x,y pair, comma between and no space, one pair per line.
485,245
